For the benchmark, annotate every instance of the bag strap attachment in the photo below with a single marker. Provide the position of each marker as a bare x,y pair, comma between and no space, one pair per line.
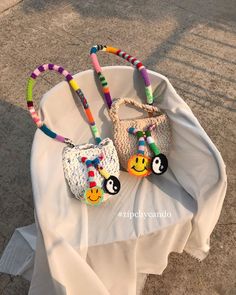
29,98
129,58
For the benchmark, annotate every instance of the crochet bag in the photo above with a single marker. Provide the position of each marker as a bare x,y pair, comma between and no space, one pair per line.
158,125
126,144
91,170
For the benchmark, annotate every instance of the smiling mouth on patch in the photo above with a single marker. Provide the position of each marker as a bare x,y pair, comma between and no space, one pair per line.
94,200
145,168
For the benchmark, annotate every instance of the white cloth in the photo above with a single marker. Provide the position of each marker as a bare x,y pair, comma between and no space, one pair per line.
103,250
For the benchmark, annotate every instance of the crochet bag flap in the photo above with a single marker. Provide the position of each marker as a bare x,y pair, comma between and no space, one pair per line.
127,144
91,170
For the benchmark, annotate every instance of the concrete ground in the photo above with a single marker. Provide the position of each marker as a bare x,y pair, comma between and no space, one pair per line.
192,42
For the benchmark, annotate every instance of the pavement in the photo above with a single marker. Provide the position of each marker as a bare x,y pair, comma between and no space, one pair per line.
192,42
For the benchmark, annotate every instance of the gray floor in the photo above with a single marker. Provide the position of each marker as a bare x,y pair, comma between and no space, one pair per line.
191,42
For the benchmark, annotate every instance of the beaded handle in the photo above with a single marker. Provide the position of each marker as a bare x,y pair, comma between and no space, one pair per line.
129,58
128,101
74,85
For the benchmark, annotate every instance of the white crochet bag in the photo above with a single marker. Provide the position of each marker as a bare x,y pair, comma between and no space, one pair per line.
76,173
91,170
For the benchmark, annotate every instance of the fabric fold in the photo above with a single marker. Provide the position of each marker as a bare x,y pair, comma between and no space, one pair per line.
106,250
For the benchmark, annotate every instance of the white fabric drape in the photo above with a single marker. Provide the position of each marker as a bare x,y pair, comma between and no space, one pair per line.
84,250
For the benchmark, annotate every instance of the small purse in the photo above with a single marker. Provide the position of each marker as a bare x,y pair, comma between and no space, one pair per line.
155,128
127,144
90,170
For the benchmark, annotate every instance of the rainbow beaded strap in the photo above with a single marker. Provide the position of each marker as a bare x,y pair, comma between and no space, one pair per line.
129,58
76,88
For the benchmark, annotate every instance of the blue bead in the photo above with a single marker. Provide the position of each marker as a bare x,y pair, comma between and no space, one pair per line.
47,131
131,130
96,161
93,50
98,140
141,142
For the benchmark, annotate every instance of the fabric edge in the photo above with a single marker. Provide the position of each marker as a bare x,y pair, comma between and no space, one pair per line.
196,253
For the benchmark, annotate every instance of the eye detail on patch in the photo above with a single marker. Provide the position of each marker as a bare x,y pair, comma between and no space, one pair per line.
93,196
112,185
159,164
139,165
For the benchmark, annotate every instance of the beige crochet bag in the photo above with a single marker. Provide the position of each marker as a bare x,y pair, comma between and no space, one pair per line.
126,144
132,136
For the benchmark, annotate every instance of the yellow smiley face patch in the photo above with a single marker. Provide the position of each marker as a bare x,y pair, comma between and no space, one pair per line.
139,165
93,196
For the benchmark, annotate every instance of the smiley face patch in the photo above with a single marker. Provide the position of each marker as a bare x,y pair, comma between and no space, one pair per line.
139,165
93,196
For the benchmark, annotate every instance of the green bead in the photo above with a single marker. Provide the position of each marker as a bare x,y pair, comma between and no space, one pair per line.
139,134
149,95
30,86
154,148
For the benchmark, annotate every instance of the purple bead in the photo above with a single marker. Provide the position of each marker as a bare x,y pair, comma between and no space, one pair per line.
69,77
33,76
145,77
41,69
60,70
50,66
108,99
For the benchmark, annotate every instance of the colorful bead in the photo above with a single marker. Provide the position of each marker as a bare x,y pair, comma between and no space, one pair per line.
111,183
151,143
138,164
129,58
74,85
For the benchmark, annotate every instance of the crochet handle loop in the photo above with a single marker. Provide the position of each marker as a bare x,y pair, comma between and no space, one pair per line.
128,101
129,58
74,85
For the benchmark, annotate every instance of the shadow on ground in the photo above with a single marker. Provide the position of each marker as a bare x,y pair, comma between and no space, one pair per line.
16,132
193,43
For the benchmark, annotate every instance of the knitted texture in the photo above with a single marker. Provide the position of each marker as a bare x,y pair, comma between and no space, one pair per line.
76,172
127,144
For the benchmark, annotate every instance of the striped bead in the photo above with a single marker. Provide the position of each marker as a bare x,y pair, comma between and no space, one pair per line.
91,174
132,130
73,84
137,63
151,142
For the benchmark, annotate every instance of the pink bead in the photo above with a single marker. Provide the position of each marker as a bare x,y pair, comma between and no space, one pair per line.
37,72
45,67
60,138
96,63
55,67
65,73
